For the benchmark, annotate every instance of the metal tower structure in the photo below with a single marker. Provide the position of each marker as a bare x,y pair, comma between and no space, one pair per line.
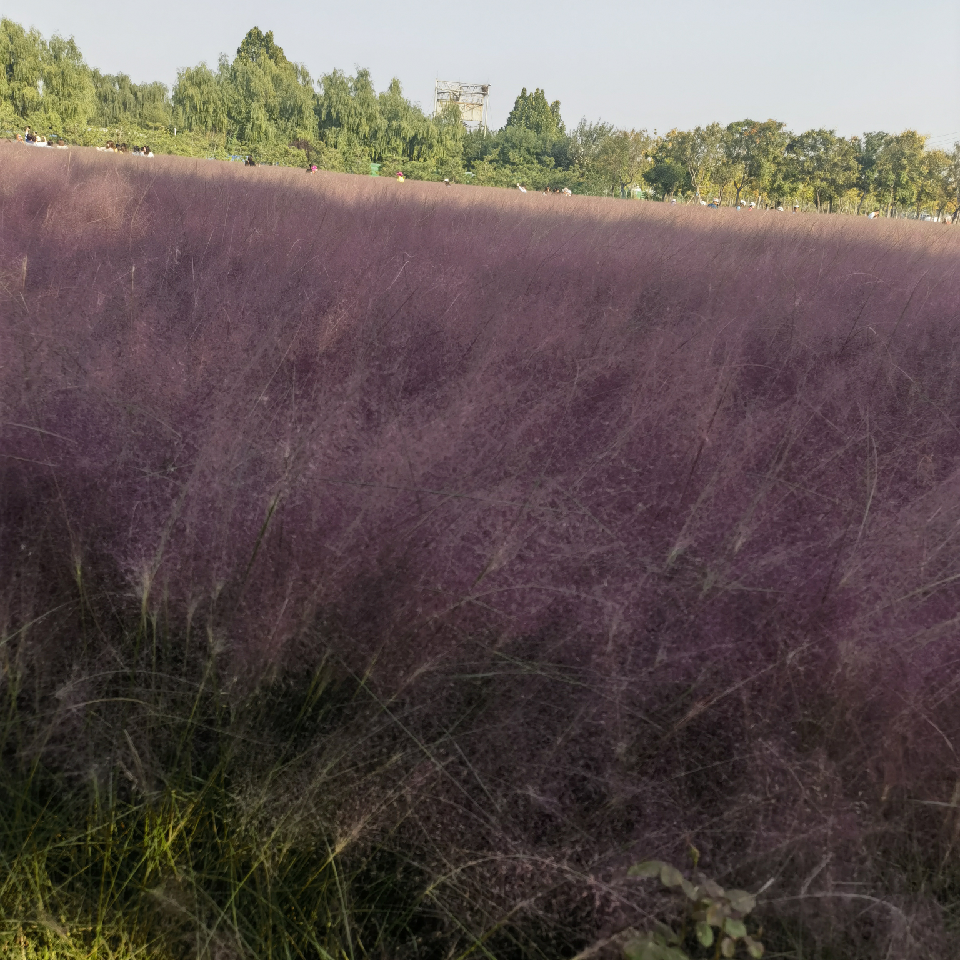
471,99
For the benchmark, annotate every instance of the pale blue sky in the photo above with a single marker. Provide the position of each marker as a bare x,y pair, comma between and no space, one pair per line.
853,65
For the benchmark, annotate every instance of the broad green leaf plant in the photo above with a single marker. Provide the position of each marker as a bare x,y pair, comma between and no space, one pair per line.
713,921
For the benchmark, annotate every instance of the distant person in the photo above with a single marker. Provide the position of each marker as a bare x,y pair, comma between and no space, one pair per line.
249,162
446,181
19,138
714,204
146,152
567,192
796,208
29,136
312,168
521,188
400,177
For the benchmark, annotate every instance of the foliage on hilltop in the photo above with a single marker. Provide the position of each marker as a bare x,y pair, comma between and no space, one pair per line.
261,103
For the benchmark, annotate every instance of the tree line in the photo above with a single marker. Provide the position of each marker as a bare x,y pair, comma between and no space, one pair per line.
261,103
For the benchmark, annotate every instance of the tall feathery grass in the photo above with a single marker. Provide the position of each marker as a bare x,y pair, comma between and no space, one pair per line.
385,567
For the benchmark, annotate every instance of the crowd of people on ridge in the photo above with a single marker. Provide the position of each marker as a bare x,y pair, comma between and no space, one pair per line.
546,191
112,147
39,140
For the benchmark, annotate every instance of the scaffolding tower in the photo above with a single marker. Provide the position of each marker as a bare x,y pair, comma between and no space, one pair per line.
471,98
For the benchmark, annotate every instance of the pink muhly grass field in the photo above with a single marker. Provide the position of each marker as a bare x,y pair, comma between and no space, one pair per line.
702,463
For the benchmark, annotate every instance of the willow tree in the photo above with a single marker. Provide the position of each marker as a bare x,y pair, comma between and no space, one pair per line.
21,68
120,101
68,92
268,98
404,132
199,101
348,111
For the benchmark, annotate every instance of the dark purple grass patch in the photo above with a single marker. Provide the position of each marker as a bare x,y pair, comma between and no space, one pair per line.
707,461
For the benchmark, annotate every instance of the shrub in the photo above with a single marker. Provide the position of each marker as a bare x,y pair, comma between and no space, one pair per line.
712,921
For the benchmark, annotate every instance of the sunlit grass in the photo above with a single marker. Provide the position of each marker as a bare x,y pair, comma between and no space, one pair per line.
192,844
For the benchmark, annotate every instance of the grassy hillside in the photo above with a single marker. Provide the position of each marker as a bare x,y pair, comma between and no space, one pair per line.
385,567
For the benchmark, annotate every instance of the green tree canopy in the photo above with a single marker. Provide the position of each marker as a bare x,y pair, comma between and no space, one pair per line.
868,150
624,156
823,163
199,100
532,112
258,46
68,93
45,83
21,76
120,101
267,100
899,166
699,152
753,151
